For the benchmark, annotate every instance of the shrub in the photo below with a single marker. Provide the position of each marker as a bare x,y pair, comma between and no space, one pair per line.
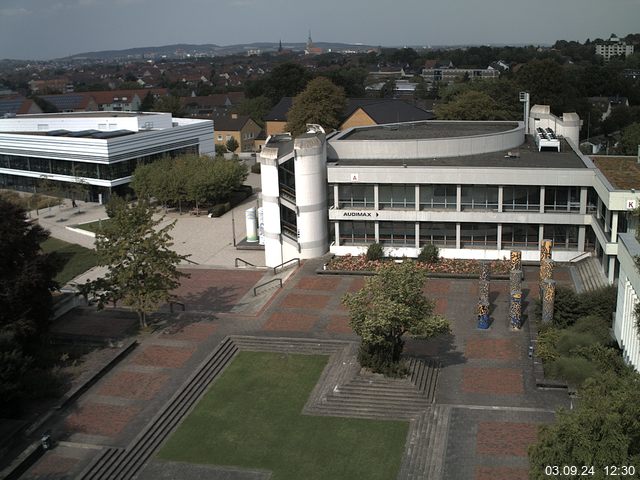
570,306
429,254
569,341
377,359
375,252
546,346
255,168
573,370
596,326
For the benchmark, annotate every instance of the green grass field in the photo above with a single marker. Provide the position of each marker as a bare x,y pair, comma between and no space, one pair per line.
76,259
251,417
92,226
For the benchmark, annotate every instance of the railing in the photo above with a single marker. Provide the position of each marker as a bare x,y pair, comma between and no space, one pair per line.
255,289
191,261
238,259
282,265
580,257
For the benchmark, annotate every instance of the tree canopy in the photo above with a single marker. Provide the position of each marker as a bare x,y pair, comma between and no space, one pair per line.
471,105
630,139
390,305
321,102
603,430
142,268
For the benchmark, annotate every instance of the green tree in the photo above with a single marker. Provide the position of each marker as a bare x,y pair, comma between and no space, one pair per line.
170,104
232,144
604,430
26,283
142,268
322,102
257,108
148,103
286,80
390,305
388,89
471,105
630,139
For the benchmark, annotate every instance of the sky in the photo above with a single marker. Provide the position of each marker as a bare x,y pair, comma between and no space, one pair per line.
45,29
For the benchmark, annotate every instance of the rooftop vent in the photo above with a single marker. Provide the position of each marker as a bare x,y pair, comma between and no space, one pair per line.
546,138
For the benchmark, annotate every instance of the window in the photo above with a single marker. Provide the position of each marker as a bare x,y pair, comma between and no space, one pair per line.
289,222
396,196
562,199
357,233
520,198
438,197
520,236
441,234
475,235
564,237
399,234
219,138
355,196
479,197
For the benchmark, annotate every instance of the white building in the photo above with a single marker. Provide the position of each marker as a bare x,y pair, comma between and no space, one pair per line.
613,48
100,149
474,189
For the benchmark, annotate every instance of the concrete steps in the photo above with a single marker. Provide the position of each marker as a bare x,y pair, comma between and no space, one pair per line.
119,464
426,445
424,375
590,275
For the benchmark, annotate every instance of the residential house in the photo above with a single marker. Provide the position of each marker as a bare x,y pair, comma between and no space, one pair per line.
241,127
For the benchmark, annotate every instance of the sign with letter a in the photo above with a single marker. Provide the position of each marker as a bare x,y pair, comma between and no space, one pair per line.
354,177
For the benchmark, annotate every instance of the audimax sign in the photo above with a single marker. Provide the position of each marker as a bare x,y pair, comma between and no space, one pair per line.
360,214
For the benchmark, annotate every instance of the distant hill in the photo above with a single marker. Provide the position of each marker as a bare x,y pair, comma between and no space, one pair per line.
183,49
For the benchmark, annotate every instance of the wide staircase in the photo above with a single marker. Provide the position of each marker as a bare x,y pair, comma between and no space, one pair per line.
426,445
588,275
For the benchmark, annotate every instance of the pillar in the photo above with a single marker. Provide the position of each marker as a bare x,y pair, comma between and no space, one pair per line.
516,260
545,248
483,315
548,300
515,309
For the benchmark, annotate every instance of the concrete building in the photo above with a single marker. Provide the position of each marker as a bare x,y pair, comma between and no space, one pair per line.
475,189
613,47
98,149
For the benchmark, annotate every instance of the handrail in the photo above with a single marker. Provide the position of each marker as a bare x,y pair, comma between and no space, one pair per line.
243,261
282,265
191,261
255,289
583,254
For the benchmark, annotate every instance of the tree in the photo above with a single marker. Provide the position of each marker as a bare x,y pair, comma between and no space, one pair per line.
257,108
388,89
26,283
390,305
148,103
604,430
471,105
142,269
630,139
322,102
170,104
286,80
232,144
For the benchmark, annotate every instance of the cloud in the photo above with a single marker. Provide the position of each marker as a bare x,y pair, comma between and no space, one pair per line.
13,12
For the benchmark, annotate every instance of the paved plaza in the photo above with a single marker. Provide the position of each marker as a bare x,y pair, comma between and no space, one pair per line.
485,389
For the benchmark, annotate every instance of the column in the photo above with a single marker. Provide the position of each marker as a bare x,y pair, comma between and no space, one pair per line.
582,235
336,193
375,197
607,216
541,202
599,207
499,233
336,228
612,268
500,197
540,235
458,242
376,230
458,198
418,235
583,200
417,194
614,227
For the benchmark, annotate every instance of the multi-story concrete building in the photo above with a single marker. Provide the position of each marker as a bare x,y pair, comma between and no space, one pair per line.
99,149
613,47
474,189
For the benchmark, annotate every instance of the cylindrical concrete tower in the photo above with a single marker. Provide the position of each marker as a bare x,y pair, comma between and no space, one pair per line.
311,194
271,206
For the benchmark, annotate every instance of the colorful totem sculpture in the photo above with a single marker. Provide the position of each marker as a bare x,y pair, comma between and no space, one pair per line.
483,315
516,260
548,300
483,297
515,309
545,248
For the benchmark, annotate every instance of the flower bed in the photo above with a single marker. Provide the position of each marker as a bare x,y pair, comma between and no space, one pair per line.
452,266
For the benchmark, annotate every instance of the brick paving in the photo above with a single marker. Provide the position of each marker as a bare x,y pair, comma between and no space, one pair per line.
494,381
486,376
503,438
135,385
492,348
163,356
501,473
101,419
53,466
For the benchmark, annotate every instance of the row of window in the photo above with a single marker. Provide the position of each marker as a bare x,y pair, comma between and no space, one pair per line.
111,171
482,235
473,197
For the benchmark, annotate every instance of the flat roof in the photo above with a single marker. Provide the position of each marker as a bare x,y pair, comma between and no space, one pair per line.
623,173
525,156
104,113
427,130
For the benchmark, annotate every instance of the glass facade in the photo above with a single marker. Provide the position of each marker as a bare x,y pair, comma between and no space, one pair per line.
438,197
440,234
101,171
520,198
399,234
478,235
565,237
355,196
397,196
519,236
357,233
562,199
479,197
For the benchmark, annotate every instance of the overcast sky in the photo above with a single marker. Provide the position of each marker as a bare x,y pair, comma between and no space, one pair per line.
43,29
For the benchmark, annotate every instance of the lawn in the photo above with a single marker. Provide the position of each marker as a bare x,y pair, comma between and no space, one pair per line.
251,418
92,226
76,259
